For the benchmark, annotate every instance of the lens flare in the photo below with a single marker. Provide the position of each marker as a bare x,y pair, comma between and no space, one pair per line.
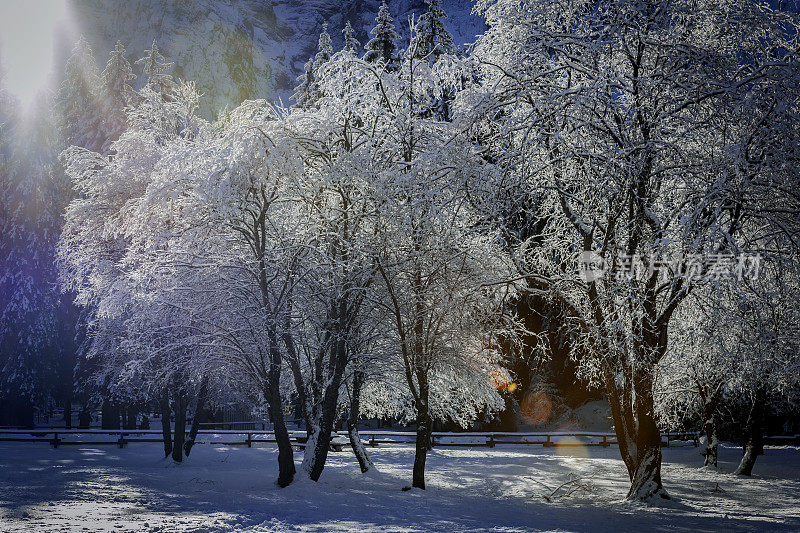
536,407
571,447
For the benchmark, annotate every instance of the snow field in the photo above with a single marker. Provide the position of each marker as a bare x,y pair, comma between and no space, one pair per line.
224,488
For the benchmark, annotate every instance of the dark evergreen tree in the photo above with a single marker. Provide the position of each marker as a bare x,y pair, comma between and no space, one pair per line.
431,38
35,330
307,91
382,46
305,82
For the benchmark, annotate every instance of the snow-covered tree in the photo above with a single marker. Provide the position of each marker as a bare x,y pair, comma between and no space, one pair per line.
77,115
351,44
307,91
434,266
36,327
734,352
693,375
78,100
305,84
447,323
621,127
156,70
382,46
324,49
132,336
23,330
105,121
338,203
431,37
765,344
116,95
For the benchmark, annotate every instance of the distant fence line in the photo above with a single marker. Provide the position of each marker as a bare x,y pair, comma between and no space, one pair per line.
252,435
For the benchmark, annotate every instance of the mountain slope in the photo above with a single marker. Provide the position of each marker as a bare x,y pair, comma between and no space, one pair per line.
236,50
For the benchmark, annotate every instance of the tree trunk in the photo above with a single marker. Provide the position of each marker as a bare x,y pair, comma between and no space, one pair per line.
131,413
638,435
272,393
68,412
297,375
754,438
359,450
198,411
166,430
422,445
84,417
646,467
272,390
179,407
319,441
286,468
712,443
109,415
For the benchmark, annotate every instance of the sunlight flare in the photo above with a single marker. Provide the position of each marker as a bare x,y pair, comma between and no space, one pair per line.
27,39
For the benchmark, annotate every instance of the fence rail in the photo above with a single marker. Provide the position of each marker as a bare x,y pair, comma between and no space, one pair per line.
252,424
60,437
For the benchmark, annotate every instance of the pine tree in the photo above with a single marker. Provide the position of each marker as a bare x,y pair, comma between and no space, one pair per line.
382,47
80,118
305,81
351,44
156,69
324,49
432,38
117,94
35,356
307,91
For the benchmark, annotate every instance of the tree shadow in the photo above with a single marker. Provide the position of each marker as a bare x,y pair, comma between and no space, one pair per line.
475,491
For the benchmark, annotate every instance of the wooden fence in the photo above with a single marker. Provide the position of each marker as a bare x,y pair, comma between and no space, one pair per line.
247,437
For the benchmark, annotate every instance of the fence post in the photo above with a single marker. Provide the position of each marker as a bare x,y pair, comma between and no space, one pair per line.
121,442
491,440
249,440
55,441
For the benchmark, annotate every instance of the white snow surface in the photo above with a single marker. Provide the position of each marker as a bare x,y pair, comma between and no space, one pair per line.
224,488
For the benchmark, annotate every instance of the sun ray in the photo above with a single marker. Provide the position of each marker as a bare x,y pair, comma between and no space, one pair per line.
27,38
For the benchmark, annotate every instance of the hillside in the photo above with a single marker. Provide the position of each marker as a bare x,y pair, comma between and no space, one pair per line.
237,50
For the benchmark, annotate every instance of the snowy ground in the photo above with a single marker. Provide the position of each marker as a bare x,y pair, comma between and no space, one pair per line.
220,488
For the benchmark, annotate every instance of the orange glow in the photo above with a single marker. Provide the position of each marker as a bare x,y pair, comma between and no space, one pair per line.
536,407
571,447
511,387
